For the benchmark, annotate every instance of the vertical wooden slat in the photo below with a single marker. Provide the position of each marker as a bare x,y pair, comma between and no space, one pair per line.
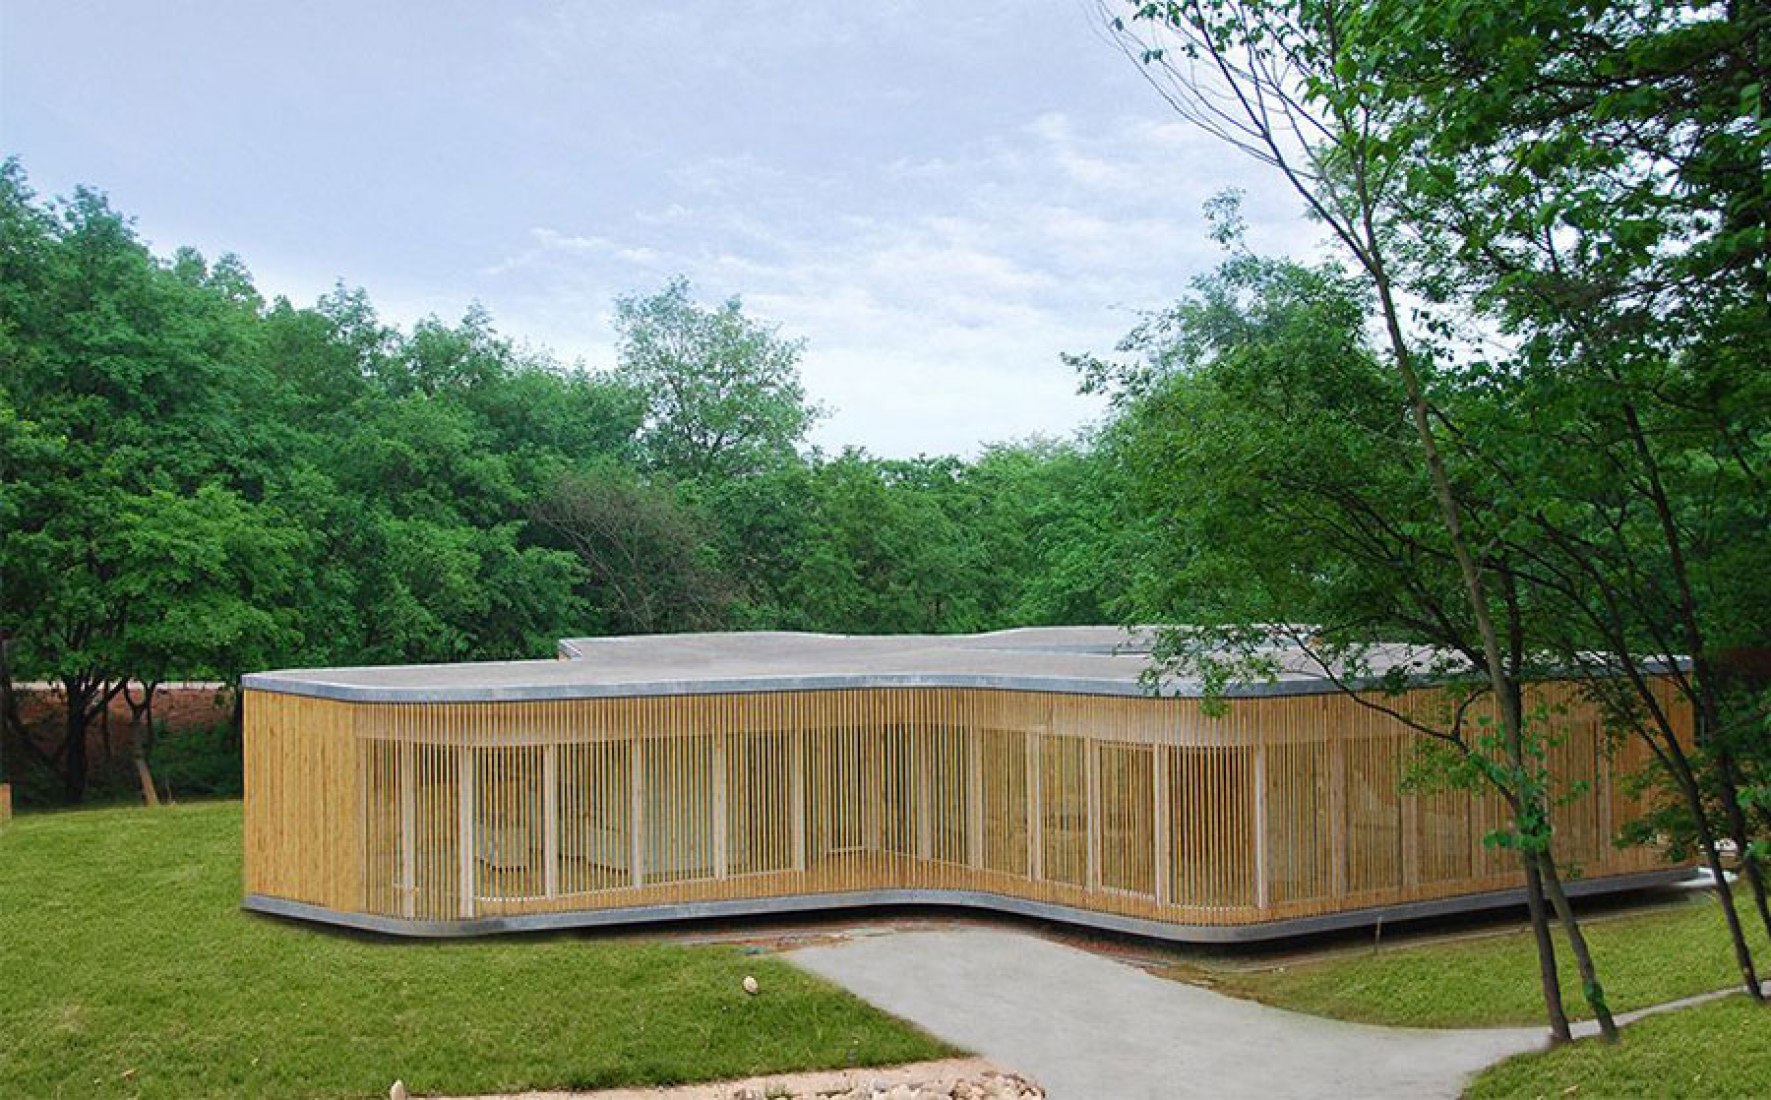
469,831
637,815
1091,779
975,786
550,820
797,786
1163,809
1260,827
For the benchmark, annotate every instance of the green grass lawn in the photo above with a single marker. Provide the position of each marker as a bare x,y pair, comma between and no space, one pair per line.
1644,959
128,969
1715,1050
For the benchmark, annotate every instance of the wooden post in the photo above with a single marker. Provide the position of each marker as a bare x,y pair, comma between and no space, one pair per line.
1091,772
1162,817
408,830
1035,818
5,803
974,797
721,863
550,821
922,743
1411,841
1260,826
797,783
1337,815
636,847
469,839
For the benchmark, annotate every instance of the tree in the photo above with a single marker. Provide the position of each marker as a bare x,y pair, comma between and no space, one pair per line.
722,392
207,580
643,552
118,366
1592,183
1301,87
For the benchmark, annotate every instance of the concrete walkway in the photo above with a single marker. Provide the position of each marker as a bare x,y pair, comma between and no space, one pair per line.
1089,1028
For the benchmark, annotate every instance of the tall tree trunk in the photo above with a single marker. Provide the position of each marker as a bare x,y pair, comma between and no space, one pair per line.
1527,802
74,745
86,695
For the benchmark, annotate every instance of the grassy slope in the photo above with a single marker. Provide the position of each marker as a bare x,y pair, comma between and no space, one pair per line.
128,969
1643,960
1715,1050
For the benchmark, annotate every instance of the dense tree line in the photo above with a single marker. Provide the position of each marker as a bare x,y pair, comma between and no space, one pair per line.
196,483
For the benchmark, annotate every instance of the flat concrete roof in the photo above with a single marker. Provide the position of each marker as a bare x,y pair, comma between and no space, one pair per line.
1085,660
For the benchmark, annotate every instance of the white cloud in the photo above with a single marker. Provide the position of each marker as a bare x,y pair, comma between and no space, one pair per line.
934,311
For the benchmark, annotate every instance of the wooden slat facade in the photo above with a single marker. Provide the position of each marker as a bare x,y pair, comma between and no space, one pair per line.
1283,807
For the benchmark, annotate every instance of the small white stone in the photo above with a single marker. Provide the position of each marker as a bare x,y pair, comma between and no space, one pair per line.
398,1092
750,985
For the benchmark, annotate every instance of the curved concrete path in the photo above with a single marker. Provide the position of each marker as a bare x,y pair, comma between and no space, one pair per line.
1089,1028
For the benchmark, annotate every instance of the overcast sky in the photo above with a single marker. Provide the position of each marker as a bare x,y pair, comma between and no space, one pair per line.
939,198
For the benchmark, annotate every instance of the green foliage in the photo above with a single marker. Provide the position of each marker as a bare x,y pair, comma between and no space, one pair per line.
195,483
160,986
857,544
202,762
642,553
722,392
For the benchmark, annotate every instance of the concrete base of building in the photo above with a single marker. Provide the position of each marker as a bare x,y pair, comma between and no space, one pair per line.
956,899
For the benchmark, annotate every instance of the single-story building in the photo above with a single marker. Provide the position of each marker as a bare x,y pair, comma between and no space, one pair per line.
1032,771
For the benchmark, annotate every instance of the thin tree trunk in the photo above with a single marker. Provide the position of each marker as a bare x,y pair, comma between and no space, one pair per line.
141,733
1549,979
1577,942
1679,765
1743,953
237,720
1727,780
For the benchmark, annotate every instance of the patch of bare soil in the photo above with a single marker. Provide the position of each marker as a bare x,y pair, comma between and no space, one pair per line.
951,1079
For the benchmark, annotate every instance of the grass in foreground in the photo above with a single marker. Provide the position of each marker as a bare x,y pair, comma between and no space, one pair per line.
1643,959
1707,1052
128,969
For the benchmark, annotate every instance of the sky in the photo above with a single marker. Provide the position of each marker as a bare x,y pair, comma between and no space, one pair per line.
939,199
